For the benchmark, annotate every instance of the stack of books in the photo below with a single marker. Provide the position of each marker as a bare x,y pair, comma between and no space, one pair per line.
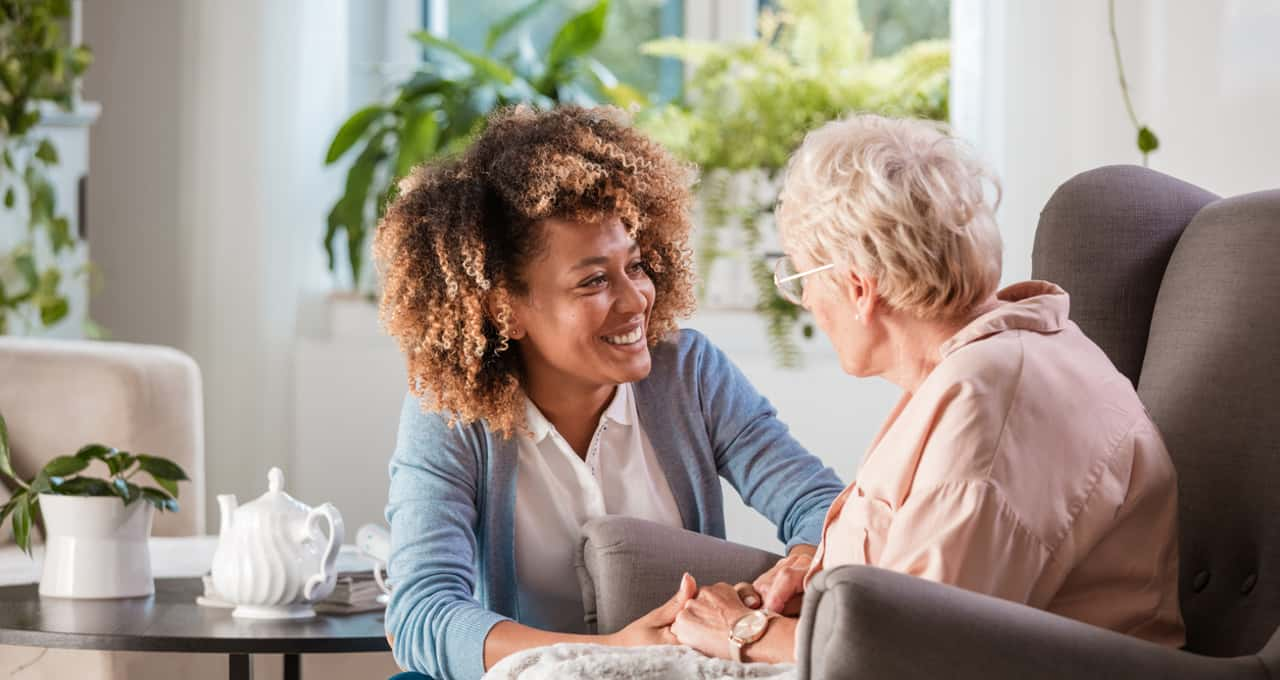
355,592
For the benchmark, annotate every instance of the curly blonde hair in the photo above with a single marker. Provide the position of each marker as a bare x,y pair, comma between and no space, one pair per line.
901,201
452,245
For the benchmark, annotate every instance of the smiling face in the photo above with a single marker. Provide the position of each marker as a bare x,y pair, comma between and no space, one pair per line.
583,320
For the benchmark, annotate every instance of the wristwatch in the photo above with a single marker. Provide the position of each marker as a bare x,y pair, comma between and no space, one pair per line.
748,629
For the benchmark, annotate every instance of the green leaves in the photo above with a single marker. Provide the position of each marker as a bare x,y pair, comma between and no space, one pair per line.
348,214
60,476
503,26
169,485
6,466
161,468
83,486
1147,141
60,237
42,291
47,152
22,514
489,68
95,452
159,499
53,305
351,131
417,142
9,506
577,37
748,106
65,466
38,65
437,110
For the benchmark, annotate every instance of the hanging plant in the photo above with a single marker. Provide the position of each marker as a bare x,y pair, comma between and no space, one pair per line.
37,67
747,108
1147,140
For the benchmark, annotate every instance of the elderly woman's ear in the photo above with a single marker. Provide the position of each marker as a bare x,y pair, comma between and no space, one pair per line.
861,293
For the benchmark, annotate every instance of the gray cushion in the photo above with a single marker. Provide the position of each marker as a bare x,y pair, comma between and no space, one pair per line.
627,567
1212,384
868,623
1105,236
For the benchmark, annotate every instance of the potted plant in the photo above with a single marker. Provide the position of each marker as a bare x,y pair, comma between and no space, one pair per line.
39,69
748,106
436,110
96,529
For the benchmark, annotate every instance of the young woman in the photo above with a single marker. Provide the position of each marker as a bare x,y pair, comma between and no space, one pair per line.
534,284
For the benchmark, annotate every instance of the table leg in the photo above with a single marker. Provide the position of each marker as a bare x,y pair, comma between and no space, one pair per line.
292,667
241,667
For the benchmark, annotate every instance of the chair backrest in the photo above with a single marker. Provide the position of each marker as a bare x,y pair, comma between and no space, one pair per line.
1183,293
58,395
1211,381
1105,236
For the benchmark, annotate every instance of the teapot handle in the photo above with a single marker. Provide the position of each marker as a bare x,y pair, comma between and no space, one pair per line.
319,586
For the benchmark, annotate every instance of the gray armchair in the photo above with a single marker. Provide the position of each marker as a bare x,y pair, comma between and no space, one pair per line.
1182,290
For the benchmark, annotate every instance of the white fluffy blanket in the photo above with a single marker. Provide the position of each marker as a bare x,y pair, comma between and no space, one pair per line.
587,662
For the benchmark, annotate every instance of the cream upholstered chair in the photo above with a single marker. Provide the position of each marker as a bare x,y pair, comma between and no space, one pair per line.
57,395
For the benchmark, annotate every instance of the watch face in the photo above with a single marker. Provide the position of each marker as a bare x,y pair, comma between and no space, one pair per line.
750,626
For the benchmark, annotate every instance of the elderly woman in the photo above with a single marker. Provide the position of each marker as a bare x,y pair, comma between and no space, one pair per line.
1018,463
534,284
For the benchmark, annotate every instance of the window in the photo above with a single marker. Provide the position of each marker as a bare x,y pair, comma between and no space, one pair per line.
631,23
894,24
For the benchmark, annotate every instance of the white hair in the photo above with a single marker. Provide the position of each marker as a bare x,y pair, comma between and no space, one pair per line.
899,201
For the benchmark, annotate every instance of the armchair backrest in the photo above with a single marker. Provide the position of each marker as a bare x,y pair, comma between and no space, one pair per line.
1105,236
58,395
1183,293
1211,380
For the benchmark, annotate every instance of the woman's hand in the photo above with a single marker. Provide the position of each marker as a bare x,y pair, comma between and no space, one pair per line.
654,628
781,589
704,621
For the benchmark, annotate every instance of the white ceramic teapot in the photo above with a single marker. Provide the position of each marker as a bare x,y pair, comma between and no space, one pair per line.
273,561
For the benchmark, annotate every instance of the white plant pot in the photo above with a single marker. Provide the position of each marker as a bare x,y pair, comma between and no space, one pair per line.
96,547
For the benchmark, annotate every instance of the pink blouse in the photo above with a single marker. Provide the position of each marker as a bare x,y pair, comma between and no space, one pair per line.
1026,468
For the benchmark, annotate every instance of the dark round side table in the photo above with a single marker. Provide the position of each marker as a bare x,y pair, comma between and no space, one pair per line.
171,621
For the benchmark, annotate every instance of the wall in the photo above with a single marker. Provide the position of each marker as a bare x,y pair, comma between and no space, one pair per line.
1036,91
205,197
132,188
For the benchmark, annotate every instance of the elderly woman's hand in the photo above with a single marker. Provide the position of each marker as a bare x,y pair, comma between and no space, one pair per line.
781,589
704,621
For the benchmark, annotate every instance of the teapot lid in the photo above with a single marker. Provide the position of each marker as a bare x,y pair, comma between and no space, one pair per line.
275,501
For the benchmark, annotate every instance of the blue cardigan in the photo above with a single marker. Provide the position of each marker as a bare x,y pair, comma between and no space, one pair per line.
453,492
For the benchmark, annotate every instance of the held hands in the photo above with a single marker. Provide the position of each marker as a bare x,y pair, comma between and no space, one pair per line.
704,621
781,589
701,618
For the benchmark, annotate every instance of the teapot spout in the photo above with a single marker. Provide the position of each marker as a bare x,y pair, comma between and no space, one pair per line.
226,510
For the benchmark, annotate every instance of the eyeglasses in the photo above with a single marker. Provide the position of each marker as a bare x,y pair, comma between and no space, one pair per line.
790,283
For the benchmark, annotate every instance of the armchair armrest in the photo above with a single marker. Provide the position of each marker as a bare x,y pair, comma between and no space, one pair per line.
628,566
864,622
